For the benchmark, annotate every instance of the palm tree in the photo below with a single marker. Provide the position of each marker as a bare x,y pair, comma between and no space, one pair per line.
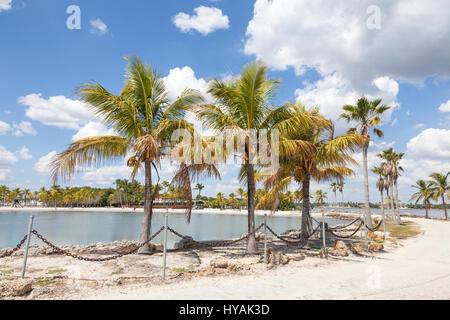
334,187
243,105
424,194
144,120
380,186
341,186
199,187
321,196
327,161
392,170
367,114
441,188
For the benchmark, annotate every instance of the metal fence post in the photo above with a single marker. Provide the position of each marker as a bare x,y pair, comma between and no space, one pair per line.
384,228
323,232
265,239
365,232
166,220
25,256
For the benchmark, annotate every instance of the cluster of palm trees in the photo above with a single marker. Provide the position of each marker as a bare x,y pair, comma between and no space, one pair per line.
437,188
144,119
388,174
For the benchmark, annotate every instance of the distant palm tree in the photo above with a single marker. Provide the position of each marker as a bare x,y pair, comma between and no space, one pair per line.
334,187
424,194
392,170
321,196
441,188
341,186
144,120
367,114
199,187
380,186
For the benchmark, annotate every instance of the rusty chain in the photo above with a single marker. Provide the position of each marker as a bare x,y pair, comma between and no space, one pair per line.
66,253
19,245
301,241
223,243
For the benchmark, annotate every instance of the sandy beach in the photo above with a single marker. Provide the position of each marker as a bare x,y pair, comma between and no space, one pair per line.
414,268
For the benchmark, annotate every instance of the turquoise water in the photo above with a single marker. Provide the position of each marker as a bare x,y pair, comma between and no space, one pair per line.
83,228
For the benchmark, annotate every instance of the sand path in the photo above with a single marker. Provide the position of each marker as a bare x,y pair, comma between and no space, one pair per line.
418,270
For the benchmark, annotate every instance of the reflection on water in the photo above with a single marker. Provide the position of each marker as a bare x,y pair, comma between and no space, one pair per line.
83,228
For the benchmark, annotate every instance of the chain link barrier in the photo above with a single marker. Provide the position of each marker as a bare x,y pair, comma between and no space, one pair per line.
11,252
301,241
211,244
66,253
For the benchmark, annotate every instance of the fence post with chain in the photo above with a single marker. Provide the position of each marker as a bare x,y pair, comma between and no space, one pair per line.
166,220
323,233
25,256
365,232
265,239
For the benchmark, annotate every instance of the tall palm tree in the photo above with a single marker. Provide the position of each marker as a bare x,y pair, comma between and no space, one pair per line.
367,115
341,186
441,188
327,161
392,170
144,119
244,104
424,194
380,186
334,187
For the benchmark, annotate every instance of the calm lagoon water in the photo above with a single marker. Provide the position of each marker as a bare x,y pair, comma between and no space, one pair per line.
83,228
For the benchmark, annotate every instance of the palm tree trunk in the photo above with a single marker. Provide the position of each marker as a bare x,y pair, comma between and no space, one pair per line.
148,209
397,202
392,202
307,227
426,211
252,246
382,205
445,207
368,218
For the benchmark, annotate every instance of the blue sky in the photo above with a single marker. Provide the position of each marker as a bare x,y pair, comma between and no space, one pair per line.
325,54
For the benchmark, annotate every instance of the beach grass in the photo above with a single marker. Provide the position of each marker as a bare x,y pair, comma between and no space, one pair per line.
407,229
56,271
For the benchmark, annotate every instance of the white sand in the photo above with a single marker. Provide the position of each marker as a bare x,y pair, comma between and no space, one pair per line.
418,270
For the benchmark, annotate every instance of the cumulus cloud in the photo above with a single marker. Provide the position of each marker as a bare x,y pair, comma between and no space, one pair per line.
23,128
4,128
43,165
205,20
92,128
98,27
57,111
7,160
445,107
5,5
107,175
333,92
334,36
432,144
25,153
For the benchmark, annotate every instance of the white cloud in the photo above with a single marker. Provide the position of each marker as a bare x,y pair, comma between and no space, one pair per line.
333,92
24,127
419,125
205,20
92,128
98,27
5,5
107,175
394,122
445,107
7,160
431,144
25,153
57,111
43,165
4,128
333,37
